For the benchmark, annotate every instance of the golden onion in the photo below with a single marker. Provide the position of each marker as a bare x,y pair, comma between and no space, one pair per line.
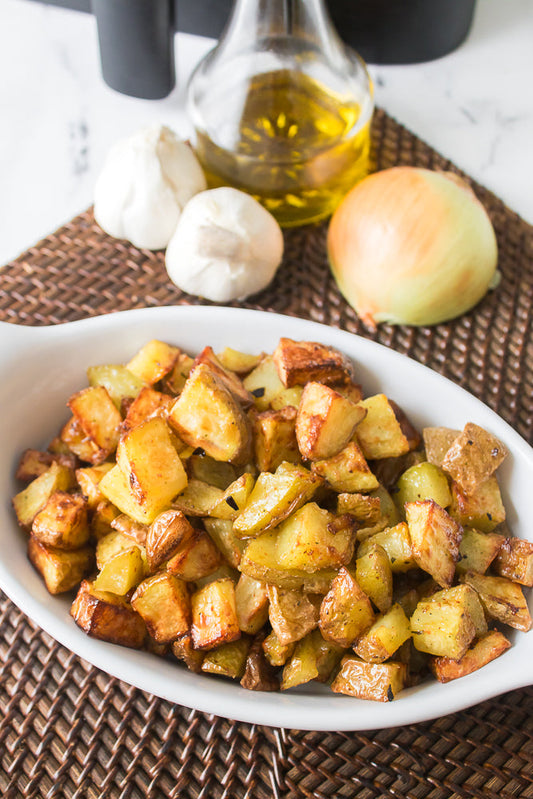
412,246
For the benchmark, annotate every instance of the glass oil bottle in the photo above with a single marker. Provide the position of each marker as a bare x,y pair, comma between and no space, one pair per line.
282,109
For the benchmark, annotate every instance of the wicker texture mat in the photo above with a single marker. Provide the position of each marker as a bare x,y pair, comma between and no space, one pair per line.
68,730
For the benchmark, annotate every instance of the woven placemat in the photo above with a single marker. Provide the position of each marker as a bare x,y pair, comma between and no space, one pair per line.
69,730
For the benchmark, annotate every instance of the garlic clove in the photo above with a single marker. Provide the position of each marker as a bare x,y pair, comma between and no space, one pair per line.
226,246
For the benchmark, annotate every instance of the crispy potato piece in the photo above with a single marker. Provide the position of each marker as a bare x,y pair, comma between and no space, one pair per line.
264,383
312,539
163,602
348,471
153,361
74,437
234,498
514,560
251,603
478,550
122,572
482,510
389,515
206,414
489,647
119,382
239,362
112,544
230,379
446,623
214,615
435,539
299,362
197,557
437,442
166,536
258,672
184,650
275,438
274,497
389,470
277,653
222,535
378,681
502,599
374,576
473,457
216,473
227,660
287,398
345,612
89,481
174,380
386,635
380,434
61,570
291,613
62,523
101,519
325,421
396,542
33,463
420,482
313,659
107,617
98,417
147,404
28,502
130,528
197,498
364,509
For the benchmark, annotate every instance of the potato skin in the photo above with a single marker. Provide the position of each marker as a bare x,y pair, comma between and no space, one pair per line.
101,617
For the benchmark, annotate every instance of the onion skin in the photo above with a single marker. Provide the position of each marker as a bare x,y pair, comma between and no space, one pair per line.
412,246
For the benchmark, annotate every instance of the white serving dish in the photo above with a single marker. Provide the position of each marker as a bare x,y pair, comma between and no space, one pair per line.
41,367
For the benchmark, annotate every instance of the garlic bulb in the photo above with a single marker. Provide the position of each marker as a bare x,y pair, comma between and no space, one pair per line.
226,246
145,183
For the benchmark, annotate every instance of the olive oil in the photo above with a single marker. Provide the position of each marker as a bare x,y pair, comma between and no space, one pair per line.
297,147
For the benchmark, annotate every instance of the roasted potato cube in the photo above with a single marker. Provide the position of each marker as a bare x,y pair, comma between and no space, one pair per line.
258,672
274,497
446,623
388,632
147,404
292,614
346,611
206,414
229,378
275,438
197,498
299,362
107,617
502,599
313,659
227,660
514,560
164,604
264,383
89,481
233,499
166,536
311,539
251,603
98,417
122,572
61,570
477,550
435,539
118,381
378,681
62,523
277,653
487,648
28,502
437,442
389,470
216,473
214,615
348,471
184,650
389,515
222,535
473,457
325,421
102,518
423,481
380,434
114,543
287,398
482,510
153,361
135,530
374,576
74,437
174,380
396,542
196,558
33,463
239,362
364,509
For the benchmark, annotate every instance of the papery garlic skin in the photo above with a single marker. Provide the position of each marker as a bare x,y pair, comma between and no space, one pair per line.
226,246
146,182
412,246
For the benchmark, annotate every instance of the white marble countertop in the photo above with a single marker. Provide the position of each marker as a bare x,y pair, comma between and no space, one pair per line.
58,118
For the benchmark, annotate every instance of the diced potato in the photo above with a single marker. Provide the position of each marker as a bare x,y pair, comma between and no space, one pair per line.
118,381
489,647
164,604
437,442
287,397
482,510
216,473
364,508
89,481
239,362
374,576
258,675
107,617
378,681
435,539
221,532
122,572
473,457
515,561
62,523
302,666
233,499
275,438
346,611
274,497
224,572
214,615
102,518
184,650
264,383
348,471
74,437
166,536
227,660
291,613
299,362
112,544
325,421
148,403
33,463
423,481
251,603
389,470
206,414
447,622
388,632
502,599
174,380
311,540
380,434
98,417
135,530
477,550
277,653
153,361
196,558
28,502
197,498
61,570
229,378
389,515
396,542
